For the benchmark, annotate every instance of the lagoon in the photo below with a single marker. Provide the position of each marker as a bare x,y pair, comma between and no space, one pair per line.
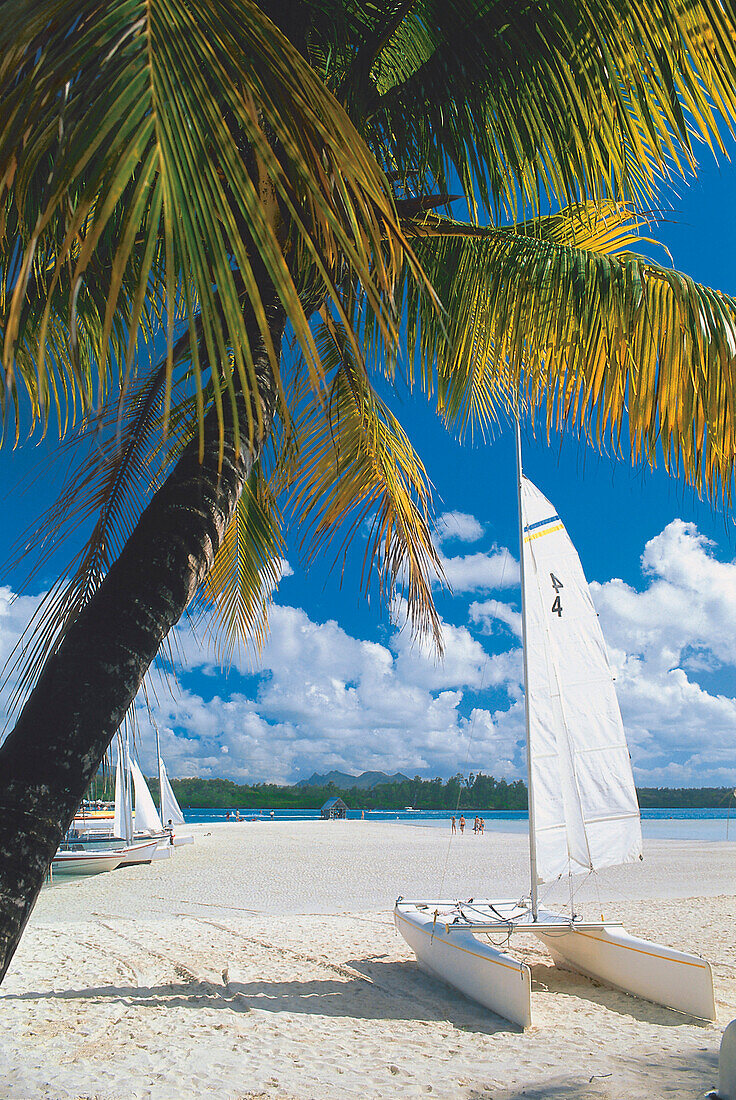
707,824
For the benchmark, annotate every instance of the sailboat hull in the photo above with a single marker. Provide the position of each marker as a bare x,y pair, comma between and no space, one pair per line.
85,863
442,935
649,970
140,852
476,969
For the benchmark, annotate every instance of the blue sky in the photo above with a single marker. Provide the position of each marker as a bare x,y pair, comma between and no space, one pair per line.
340,687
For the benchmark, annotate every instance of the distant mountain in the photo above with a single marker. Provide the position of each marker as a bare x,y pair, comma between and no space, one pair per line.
344,782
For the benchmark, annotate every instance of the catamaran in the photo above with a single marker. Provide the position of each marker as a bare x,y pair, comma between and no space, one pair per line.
583,810
121,824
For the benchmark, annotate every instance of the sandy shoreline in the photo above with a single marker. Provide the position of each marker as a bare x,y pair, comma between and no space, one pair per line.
118,991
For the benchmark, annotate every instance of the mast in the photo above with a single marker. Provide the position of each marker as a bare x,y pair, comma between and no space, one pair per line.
160,782
532,834
129,830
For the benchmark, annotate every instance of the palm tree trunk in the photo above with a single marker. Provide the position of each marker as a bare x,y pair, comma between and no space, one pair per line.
89,683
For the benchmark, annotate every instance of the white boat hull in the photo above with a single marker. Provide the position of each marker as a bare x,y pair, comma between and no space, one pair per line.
162,852
478,970
85,863
185,838
648,970
442,935
140,852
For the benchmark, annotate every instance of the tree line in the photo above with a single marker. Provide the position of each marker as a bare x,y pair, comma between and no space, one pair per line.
476,792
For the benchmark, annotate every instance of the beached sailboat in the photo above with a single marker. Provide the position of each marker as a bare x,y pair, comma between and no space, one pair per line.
171,813
140,835
83,862
583,811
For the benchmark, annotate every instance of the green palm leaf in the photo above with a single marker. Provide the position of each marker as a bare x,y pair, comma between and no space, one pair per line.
246,569
356,469
608,342
560,100
201,133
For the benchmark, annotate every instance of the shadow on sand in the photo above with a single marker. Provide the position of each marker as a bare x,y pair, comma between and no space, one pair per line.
399,991
548,978
369,988
697,1070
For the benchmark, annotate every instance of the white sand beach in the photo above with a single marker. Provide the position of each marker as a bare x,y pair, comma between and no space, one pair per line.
263,962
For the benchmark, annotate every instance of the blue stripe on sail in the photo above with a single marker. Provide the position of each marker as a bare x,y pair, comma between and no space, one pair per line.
540,523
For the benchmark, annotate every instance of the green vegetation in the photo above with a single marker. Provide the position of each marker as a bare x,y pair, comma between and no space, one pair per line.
684,797
477,792
481,791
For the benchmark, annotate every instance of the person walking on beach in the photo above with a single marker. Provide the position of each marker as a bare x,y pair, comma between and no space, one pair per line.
454,829
462,824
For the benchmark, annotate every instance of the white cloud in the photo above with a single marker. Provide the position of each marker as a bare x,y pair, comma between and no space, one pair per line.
485,614
15,614
481,572
328,700
458,525
321,698
660,640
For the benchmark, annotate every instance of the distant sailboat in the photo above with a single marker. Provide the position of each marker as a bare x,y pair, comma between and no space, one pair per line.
583,811
170,809
123,820
140,835
171,814
147,819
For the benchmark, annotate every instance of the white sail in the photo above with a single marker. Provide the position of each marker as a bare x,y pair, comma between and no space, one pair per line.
585,810
123,820
170,809
146,814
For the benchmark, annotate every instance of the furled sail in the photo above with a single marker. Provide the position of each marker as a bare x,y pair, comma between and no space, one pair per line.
585,810
146,814
123,820
170,809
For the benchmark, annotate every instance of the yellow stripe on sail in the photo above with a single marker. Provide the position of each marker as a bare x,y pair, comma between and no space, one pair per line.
549,531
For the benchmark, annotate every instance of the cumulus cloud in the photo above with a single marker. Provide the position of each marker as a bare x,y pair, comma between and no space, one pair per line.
286,570
321,698
661,640
487,613
458,525
481,572
328,700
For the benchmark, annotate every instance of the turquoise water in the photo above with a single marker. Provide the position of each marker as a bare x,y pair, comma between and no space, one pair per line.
664,824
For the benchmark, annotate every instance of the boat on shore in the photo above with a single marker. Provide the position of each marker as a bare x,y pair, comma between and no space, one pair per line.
583,810
84,862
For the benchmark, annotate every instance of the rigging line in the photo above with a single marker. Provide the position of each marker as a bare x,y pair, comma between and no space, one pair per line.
471,730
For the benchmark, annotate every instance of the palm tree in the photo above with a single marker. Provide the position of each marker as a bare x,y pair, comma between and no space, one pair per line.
222,222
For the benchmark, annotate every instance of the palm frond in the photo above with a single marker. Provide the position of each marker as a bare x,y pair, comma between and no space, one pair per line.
111,478
202,133
356,466
246,570
552,100
59,355
611,343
